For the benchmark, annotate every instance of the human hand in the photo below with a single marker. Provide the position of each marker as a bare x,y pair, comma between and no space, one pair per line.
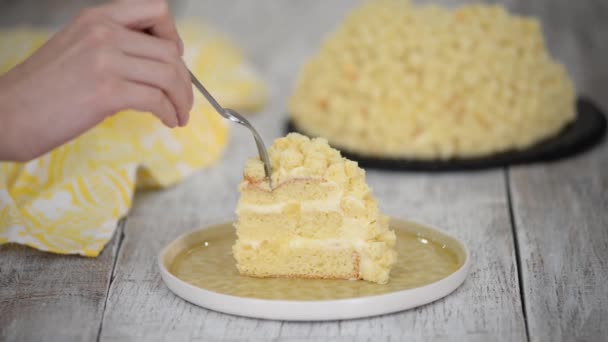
122,55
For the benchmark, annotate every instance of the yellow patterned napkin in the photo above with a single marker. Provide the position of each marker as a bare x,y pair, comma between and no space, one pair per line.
70,200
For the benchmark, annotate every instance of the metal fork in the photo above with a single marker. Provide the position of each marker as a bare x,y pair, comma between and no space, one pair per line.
234,116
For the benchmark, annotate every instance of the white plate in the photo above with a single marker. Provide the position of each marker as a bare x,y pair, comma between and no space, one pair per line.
213,282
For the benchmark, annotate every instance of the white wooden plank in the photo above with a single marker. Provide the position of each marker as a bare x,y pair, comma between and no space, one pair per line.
561,209
561,216
474,207
48,297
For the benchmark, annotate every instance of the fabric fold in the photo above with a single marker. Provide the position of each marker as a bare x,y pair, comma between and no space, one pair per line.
69,200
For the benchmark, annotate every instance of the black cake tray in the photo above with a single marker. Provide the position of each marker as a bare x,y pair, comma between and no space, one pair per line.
586,131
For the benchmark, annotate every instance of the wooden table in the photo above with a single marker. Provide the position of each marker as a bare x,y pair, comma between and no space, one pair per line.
539,234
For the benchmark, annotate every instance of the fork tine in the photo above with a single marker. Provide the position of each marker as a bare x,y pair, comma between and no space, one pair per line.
262,152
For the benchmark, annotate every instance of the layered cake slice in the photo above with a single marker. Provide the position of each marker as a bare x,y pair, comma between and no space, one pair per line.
319,220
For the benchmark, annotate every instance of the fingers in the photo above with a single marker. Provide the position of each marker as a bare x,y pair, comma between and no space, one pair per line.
150,64
145,98
141,45
167,77
152,15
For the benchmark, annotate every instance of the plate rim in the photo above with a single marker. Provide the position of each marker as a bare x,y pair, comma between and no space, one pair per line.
314,310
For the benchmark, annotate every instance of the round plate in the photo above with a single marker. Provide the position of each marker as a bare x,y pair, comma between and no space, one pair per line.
583,133
199,267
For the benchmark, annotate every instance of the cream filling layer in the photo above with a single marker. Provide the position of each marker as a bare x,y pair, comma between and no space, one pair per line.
353,232
332,203
313,243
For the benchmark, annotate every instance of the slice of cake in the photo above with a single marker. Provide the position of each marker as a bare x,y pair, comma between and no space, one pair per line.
319,220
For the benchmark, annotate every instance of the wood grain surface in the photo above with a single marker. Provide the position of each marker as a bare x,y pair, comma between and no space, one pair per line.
48,297
561,209
539,234
562,233
486,307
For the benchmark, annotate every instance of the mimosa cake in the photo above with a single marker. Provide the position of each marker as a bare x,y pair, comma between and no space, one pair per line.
424,82
319,219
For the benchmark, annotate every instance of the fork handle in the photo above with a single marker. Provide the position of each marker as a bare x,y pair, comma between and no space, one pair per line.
206,93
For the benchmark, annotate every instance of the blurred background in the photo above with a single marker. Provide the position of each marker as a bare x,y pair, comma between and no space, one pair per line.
278,34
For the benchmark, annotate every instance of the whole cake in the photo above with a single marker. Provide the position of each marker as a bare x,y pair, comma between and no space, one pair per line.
429,83
319,220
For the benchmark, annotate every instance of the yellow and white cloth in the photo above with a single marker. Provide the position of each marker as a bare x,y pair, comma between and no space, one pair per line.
70,200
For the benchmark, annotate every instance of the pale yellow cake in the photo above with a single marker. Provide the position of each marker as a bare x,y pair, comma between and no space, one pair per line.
320,219
398,80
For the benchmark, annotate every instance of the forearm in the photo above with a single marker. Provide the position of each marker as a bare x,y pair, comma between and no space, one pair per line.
8,146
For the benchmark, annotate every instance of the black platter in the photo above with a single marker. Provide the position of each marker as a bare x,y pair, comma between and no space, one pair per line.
586,131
